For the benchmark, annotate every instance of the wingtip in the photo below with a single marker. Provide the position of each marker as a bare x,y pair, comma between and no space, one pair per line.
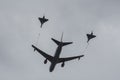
51,38
80,57
32,45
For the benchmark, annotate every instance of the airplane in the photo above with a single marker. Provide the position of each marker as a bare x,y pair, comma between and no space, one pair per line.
42,20
90,36
56,58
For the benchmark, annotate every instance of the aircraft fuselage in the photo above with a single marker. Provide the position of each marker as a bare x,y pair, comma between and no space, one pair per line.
56,57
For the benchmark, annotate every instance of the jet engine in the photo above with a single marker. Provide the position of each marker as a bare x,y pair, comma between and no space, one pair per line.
63,64
45,61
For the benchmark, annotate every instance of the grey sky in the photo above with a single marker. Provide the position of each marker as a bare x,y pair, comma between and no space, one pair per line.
19,28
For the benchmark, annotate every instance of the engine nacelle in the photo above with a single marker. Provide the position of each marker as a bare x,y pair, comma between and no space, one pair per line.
45,61
63,64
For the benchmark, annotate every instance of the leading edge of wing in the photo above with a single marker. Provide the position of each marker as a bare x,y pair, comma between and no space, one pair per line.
49,57
69,58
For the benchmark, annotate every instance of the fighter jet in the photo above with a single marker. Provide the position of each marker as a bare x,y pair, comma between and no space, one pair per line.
56,58
42,20
90,36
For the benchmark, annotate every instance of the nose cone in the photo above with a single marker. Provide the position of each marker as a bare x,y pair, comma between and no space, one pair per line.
51,70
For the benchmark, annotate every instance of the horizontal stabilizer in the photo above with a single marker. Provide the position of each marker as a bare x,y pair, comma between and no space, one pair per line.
67,43
56,41
64,43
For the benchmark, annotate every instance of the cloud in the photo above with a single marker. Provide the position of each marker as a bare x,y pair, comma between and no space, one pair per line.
19,28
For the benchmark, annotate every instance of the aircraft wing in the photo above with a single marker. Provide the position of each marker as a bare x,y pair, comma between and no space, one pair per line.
46,20
69,58
43,53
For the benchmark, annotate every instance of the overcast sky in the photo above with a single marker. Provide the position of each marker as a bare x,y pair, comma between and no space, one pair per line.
19,29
